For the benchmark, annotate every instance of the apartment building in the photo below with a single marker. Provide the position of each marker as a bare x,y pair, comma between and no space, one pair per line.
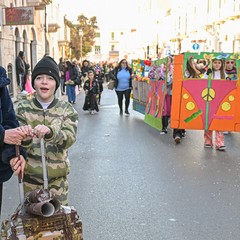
33,27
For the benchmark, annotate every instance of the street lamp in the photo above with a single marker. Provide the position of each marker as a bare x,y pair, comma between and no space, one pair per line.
81,35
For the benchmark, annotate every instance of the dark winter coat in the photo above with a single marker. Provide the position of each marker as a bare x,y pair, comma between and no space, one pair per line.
20,65
8,120
90,99
72,71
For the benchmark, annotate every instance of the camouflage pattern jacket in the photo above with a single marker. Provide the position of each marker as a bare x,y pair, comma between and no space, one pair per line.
62,119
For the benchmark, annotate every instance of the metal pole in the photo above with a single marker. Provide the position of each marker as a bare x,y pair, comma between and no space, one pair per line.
45,30
20,178
81,47
81,38
44,165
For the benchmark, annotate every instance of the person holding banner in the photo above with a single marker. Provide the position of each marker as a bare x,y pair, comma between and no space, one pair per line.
218,72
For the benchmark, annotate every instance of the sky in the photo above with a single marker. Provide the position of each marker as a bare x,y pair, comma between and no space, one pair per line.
73,8
111,12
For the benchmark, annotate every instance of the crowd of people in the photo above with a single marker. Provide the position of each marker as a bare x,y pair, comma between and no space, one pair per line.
47,116
89,77
73,77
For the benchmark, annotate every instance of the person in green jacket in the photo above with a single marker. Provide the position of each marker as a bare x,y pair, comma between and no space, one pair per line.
55,120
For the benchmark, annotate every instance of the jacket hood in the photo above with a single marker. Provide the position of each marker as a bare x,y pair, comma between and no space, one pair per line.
21,54
4,80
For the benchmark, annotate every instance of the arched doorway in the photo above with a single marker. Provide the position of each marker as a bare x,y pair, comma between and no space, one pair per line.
12,69
17,42
25,43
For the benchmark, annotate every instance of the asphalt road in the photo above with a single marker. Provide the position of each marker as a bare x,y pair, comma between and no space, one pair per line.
128,182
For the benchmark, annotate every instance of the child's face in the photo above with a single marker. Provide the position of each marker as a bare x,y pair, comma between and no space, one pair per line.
45,86
217,65
230,64
200,64
91,75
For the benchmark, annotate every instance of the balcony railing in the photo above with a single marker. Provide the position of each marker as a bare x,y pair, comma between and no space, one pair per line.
53,27
113,53
38,4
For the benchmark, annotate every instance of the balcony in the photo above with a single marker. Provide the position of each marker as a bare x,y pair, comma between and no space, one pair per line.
233,17
53,27
220,22
38,4
237,37
63,43
113,53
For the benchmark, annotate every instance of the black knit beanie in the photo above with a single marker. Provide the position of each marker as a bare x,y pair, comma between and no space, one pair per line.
47,66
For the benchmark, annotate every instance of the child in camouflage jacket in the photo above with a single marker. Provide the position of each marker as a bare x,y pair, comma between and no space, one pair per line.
50,118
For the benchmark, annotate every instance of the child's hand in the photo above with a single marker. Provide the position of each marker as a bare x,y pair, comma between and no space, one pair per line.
41,130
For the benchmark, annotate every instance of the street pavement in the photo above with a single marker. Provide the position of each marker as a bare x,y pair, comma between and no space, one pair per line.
128,182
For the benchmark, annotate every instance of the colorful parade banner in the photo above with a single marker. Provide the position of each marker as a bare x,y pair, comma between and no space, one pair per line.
156,93
204,98
140,84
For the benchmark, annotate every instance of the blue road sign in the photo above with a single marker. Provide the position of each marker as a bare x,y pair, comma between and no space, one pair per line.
195,46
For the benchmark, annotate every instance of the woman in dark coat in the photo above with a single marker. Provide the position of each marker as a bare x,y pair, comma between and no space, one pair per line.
85,68
71,75
10,134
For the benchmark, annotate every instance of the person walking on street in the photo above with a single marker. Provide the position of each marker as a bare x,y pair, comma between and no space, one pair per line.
84,70
20,70
71,74
122,74
10,135
168,97
53,119
217,72
99,75
91,89
190,71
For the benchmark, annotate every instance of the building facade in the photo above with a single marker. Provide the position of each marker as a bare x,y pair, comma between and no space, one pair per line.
156,28
45,34
171,27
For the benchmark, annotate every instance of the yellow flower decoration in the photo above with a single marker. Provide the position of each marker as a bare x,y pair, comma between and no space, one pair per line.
235,56
146,79
134,63
208,57
139,60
